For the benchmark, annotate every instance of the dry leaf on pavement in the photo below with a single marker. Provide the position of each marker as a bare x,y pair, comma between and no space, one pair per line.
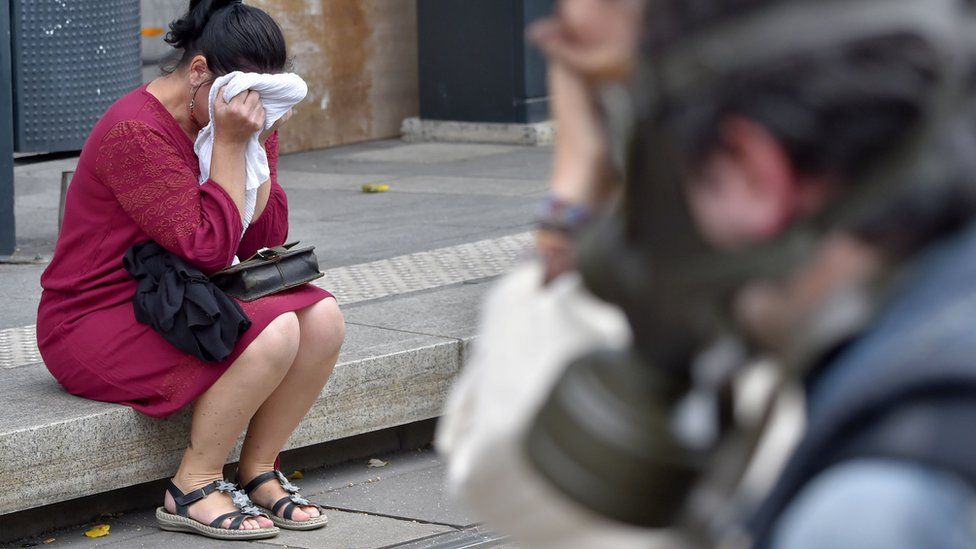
98,531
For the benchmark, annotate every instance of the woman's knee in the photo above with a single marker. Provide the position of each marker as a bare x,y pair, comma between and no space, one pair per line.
323,326
277,345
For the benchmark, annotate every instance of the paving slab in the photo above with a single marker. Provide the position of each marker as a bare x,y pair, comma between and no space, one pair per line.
21,289
124,533
409,486
419,494
426,153
475,160
394,208
341,244
346,530
324,181
437,184
350,474
470,186
470,538
453,313
358,531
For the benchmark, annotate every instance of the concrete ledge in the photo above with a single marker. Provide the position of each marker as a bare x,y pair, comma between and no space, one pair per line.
415,130
57,447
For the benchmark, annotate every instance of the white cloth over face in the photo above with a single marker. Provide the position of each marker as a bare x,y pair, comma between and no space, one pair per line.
279,93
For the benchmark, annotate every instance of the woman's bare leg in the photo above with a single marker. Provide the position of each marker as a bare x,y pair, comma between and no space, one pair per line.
322,332
220,414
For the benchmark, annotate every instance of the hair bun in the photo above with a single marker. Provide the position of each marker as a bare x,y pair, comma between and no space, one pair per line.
184,31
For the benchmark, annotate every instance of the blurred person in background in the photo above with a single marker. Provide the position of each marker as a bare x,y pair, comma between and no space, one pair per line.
801,184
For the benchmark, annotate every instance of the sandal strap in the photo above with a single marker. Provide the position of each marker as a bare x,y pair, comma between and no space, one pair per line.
290,506
215,523
237,522
281,503
259,480
184,501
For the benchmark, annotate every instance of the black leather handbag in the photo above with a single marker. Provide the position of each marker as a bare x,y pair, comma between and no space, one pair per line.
270,271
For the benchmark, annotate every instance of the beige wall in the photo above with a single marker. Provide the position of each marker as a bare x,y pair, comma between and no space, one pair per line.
359,58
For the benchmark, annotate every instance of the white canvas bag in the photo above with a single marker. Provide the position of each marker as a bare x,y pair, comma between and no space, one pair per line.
529,333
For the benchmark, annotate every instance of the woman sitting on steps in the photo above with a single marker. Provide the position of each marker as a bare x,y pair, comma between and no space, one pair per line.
136,181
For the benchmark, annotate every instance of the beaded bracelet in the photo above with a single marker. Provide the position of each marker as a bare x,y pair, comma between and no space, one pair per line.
559,215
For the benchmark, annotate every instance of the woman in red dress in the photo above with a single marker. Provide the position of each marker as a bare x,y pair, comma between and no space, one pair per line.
137,180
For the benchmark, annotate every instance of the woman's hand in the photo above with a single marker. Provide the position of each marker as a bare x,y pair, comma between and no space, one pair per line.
277,125
237,120
235,123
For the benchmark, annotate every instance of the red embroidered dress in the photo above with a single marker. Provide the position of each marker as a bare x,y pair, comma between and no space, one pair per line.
136,181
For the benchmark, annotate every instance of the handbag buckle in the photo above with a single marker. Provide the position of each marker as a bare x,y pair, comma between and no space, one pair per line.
267,253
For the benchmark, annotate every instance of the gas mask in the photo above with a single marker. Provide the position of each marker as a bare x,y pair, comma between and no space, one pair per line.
609,436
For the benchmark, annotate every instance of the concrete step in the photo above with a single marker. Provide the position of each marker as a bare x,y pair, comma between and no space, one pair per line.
400,357
416,130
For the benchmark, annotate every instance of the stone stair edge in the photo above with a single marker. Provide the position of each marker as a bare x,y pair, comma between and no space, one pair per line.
436,364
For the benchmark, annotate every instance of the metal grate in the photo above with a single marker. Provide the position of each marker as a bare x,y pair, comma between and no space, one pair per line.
18,347
357,283
71,60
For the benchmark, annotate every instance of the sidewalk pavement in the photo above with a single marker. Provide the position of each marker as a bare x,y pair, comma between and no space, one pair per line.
401,504
409,267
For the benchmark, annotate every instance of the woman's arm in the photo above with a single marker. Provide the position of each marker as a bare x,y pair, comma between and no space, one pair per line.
160,192
235,121
270,145
269,227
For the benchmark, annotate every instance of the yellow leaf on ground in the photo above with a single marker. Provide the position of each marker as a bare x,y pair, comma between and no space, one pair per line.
297,475
99,531
376,463
49,541
373,188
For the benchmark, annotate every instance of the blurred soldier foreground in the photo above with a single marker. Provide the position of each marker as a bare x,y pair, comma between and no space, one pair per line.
799,189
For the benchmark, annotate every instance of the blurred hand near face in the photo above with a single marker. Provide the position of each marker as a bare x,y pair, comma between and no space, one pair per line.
596,39
277,125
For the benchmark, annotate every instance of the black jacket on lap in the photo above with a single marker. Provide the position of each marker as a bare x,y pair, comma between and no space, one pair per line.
181,304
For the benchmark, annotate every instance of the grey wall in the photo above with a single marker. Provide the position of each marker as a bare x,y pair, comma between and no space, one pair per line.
157,14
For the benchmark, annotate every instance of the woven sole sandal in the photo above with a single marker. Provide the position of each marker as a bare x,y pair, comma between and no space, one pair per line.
181,521
288,503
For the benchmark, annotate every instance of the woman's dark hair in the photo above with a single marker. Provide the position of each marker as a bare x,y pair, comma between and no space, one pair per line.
230,35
